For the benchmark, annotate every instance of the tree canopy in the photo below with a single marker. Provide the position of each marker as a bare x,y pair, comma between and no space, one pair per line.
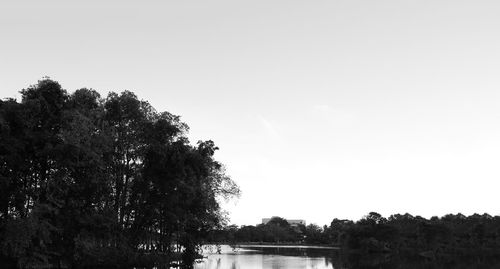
438,237
87,181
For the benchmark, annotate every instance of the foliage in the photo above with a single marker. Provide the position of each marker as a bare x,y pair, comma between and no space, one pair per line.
450,235
277,230
455,235
86,181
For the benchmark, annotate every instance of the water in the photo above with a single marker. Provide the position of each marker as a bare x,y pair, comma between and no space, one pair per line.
265,257
293,257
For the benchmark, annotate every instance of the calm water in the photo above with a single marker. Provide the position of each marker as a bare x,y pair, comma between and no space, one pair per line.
272,257
265,257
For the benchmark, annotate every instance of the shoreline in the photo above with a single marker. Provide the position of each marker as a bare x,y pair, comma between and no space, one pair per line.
287,246
281,245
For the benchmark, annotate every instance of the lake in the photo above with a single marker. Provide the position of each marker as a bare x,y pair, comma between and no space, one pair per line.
294,257
264,257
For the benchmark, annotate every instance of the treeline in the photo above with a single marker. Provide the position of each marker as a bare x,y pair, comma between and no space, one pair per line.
277,230
406,234
93,182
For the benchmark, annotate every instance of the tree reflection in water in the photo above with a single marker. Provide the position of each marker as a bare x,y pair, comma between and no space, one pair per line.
303,258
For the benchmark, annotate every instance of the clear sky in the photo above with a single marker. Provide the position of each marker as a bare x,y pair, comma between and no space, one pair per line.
321,109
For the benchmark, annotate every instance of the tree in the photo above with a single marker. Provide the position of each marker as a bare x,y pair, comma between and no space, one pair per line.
277,221
94,181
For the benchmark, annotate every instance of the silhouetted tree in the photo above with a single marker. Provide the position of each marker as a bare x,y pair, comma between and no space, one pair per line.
87,181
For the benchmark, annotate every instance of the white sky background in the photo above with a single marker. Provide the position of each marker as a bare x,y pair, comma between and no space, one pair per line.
321,109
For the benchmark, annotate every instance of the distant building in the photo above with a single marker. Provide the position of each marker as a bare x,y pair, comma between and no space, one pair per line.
292,222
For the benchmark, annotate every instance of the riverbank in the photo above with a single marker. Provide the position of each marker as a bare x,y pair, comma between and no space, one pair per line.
282,245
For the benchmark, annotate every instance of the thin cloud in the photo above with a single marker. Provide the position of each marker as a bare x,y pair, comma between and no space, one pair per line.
333,116
321,108
269,128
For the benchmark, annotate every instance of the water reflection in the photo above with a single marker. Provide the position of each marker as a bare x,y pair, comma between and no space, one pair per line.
266,258
303,258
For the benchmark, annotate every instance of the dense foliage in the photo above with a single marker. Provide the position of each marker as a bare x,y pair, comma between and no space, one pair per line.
89,182
405,234
449,235
277,230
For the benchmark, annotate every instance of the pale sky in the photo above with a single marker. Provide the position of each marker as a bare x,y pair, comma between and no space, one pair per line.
321,109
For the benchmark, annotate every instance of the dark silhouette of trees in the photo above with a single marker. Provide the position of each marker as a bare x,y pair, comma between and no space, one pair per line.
315,234
448,236
87,181
278,221
455,235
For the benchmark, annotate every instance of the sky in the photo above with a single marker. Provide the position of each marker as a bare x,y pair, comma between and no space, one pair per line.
321,109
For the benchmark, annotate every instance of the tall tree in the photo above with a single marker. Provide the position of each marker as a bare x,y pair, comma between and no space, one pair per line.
86,181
